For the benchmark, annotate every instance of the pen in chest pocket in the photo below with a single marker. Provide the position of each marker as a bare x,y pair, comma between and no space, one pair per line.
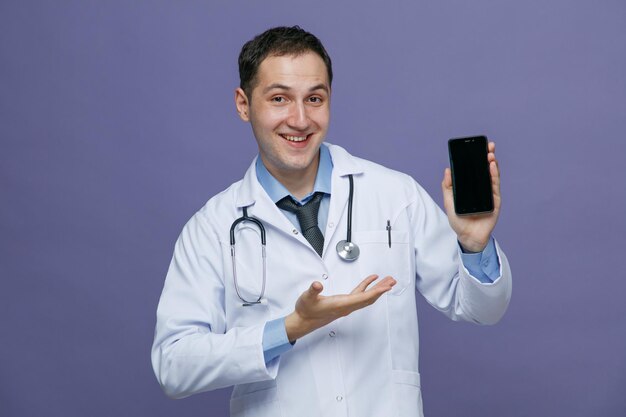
389,232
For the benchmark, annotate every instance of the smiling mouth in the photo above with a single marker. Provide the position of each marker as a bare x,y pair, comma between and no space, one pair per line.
291,138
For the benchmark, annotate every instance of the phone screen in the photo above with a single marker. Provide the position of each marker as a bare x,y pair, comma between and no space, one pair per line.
471,181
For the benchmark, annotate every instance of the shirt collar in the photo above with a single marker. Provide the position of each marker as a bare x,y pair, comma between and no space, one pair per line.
277,191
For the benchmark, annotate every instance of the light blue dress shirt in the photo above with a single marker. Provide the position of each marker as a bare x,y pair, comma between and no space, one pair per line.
277,191
484,265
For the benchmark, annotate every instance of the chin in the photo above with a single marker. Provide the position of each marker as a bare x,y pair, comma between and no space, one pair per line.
296,166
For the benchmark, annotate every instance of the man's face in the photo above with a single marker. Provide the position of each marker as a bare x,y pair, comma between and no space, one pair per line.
289,110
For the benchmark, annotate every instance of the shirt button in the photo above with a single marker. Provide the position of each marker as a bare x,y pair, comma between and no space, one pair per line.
295,232
339,398
324,276
331,225
332,333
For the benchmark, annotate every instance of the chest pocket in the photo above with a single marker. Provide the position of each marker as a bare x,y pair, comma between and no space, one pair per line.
378,258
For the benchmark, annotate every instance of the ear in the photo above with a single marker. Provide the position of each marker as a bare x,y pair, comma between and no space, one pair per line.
243,105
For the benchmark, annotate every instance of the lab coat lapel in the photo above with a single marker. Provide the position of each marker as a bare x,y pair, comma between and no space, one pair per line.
344,164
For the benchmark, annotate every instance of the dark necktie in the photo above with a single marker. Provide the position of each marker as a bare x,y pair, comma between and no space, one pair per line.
307,217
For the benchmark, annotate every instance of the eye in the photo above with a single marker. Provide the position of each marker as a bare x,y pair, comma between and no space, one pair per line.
278,99
315,100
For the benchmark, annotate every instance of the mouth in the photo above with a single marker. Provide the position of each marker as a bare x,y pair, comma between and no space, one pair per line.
296,139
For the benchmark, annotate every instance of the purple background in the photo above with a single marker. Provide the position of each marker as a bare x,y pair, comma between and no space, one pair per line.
117,123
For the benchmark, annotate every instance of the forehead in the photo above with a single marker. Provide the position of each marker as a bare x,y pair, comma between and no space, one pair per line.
293,70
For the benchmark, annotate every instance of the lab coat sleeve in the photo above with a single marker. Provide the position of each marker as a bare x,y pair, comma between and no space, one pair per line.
441,276
192,351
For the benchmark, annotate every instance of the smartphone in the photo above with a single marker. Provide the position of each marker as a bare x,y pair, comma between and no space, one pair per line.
471,181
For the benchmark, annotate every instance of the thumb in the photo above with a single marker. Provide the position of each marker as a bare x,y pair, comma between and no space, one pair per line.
446,188
446,183
315,288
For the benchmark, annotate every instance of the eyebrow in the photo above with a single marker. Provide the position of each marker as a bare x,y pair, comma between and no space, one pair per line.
278,86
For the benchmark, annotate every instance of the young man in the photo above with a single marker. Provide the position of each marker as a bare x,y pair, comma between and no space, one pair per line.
298,327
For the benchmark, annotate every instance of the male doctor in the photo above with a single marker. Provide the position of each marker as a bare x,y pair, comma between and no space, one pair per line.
330,337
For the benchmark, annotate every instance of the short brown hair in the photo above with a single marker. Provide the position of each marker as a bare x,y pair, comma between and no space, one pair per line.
277,41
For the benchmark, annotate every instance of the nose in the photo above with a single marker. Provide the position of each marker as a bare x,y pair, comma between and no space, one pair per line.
298,117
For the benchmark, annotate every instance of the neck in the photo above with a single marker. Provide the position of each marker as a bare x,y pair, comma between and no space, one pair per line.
298,183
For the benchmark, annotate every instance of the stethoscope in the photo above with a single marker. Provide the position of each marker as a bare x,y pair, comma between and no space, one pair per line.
346,249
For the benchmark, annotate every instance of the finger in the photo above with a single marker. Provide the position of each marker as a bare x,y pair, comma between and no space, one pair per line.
377,290
346,304
384,285
495,176
364,284
314,290
491,152
494,170
371,295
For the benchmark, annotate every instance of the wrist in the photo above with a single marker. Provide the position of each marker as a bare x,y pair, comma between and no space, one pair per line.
472,246
294,327
297,326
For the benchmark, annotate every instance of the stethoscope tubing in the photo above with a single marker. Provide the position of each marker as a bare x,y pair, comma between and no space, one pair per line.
246,218
350,197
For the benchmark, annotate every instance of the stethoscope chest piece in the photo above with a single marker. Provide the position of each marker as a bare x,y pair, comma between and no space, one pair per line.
348,251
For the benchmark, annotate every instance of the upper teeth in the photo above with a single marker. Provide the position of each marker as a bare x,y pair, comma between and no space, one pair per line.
295,138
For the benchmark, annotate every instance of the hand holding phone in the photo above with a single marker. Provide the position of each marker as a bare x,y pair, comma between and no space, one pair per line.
473,221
